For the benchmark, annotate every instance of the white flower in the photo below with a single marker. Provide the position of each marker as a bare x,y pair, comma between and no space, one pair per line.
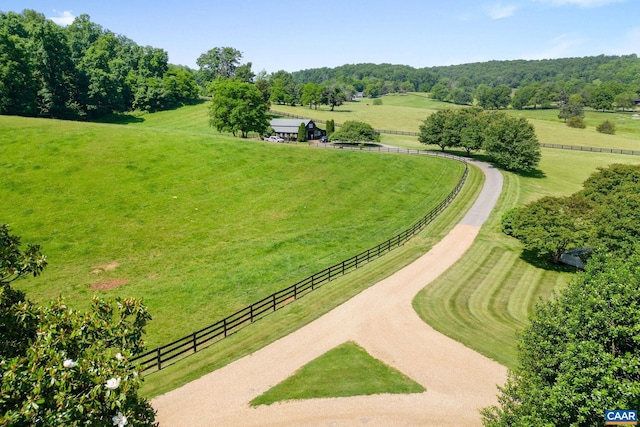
119,356
70,363
113,383
119,420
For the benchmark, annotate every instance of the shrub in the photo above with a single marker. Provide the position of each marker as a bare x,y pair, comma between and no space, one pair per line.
576,122
355,131
302,133
606,127
331,127
507,221
377,101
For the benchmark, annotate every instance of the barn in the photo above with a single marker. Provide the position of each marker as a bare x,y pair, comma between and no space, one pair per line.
287,129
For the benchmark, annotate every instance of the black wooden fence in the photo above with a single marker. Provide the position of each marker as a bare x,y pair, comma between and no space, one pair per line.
593,149
158,358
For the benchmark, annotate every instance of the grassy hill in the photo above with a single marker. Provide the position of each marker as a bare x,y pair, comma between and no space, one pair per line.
198,224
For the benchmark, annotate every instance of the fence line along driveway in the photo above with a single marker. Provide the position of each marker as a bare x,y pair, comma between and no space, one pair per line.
167,354
381,319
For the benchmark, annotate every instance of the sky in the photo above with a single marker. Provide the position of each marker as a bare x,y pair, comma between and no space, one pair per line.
294,35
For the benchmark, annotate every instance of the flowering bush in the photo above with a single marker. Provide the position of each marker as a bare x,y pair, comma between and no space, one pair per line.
69,368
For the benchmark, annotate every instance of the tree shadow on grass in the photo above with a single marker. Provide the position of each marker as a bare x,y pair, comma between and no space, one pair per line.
532,259
536,173
119,119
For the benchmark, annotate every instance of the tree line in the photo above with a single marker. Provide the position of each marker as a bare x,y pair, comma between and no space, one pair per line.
547,82
83,70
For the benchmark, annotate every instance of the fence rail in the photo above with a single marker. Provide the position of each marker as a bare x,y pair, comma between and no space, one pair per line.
160,357
593,149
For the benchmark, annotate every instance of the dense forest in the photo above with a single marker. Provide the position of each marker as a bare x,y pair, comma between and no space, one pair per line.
602,82
518,73
82,70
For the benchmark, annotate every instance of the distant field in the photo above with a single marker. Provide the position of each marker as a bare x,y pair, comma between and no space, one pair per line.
199,225
407,112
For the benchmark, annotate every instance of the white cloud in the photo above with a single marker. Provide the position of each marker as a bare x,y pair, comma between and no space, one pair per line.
563,46
499,11
581,3
627,44
64,18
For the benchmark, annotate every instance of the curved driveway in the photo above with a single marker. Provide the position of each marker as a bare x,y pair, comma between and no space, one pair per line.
381,319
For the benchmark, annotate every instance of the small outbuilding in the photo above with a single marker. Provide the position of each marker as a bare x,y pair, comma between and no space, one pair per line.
287,129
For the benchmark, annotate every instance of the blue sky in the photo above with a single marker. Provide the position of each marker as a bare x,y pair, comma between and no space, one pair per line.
293,35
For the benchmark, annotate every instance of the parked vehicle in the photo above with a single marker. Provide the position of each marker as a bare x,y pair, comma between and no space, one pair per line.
324,138
273,138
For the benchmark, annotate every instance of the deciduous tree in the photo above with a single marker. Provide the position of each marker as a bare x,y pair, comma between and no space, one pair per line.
580,354
550,226
237,107
512,143
333,96
355,131
311,94
218,62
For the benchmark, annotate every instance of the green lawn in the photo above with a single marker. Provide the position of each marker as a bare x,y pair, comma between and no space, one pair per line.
200,226
488,295
347,370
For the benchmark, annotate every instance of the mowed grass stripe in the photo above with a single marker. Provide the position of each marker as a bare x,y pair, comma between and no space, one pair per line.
485,298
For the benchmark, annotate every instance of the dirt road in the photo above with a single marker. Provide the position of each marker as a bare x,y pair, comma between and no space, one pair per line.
381,319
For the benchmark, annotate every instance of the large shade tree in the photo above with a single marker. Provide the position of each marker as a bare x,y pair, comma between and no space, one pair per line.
464,127
355,131
237,107
218,62
512,143
552,225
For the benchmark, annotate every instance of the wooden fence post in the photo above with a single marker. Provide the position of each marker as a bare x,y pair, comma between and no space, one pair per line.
159,359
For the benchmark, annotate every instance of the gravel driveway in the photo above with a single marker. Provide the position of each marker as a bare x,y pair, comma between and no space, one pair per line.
381,319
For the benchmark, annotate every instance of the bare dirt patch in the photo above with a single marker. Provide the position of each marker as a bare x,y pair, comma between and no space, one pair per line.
105,286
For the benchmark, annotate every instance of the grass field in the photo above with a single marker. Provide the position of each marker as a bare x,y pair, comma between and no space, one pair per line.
485,298
481,301
407,112
200,226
